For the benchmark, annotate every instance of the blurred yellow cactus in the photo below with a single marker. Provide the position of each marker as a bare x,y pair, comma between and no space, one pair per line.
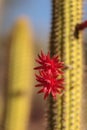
20,76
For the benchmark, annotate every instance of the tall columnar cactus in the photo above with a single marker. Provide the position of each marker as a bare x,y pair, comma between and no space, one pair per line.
66,15
20,77
52,104
1,111
79,67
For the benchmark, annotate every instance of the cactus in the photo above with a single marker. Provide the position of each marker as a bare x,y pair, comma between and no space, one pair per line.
52,104
79,69
1,111
20,77
65,16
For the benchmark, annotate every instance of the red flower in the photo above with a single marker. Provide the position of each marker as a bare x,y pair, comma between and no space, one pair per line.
49,64
50,70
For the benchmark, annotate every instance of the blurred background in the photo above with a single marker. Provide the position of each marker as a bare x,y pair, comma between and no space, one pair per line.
38,13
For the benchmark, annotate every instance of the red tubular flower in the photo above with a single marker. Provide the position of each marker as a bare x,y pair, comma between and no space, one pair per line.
50,70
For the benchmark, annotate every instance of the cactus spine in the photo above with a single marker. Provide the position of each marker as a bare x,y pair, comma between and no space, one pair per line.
20,77
66,14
